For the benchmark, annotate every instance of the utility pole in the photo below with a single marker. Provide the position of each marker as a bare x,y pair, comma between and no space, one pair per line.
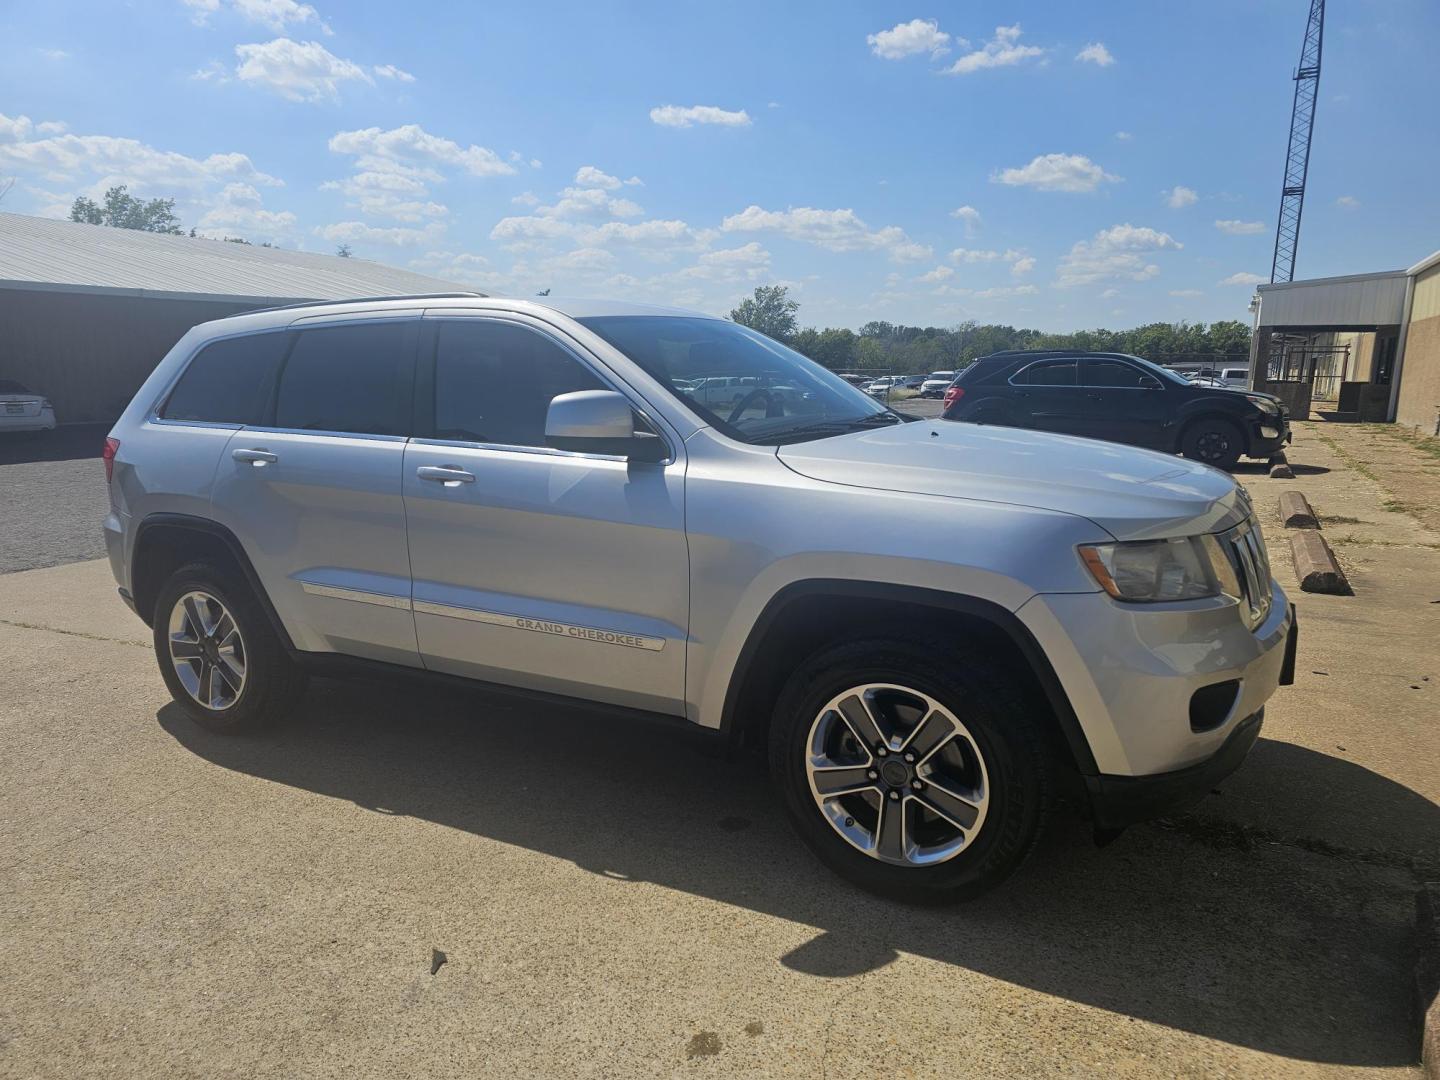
1297,155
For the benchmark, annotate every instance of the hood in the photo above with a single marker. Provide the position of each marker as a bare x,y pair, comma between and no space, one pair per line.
1132,494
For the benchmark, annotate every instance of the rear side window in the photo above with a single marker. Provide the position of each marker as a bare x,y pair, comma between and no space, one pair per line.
1047,373
229,381
349,378
494,381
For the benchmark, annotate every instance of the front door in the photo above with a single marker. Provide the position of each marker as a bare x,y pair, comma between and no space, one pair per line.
1123,403
313,492
1045,397
535,567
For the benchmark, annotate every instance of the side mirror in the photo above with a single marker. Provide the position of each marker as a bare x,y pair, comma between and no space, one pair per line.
599,422
1149,382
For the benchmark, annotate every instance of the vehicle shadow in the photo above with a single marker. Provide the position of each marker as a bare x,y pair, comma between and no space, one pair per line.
1284,951
67,443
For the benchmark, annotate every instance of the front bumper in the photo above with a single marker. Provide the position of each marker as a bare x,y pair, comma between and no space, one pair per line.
1131,673
1117,801
1268,437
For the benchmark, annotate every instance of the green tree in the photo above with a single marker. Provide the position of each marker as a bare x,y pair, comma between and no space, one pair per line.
121,210
770,311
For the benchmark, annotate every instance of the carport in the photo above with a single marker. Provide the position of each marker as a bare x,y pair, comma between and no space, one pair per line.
1340,345
86,311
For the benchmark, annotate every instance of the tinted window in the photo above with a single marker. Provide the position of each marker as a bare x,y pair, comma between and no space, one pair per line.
228,382
1113,373
349,378
1048,373
494,381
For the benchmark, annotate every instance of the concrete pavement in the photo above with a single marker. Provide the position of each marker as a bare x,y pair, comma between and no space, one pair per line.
612,903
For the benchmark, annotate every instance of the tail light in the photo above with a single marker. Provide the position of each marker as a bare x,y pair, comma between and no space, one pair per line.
108,456
954,394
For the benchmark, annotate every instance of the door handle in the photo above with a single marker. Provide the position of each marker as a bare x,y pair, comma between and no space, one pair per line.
257,458
449,475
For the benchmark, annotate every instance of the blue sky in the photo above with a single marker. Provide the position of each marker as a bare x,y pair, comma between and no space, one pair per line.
1120,160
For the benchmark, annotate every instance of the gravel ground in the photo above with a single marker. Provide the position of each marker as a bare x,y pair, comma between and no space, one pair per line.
52,498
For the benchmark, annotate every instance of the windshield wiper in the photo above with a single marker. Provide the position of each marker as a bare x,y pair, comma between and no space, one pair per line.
824,428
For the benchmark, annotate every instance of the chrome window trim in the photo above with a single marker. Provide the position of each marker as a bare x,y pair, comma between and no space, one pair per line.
327,434
601,373
1079,362
359,596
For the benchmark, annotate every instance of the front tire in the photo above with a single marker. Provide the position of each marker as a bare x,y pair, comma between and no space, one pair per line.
1214,442
219,654
911,774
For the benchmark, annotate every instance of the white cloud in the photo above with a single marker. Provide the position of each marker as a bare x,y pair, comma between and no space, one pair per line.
1114,254
1187,292
1002,292
833,230
297,70
1095,53
684,116
656,238
910,39
1179,197
63,158
275,14
54,54
591,177
1243,278
238,211
575,202
359,232
971,255
939,274
1123,136
412,143
1003,50
749,262
1056,172
1349,202
1235,227
1022,266
463,268
526,198
200,10
970,216
390,71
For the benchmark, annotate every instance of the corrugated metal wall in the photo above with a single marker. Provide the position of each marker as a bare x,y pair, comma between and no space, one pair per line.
1369,301
88,353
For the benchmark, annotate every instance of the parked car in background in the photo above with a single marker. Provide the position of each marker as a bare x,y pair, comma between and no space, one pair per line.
882,386
936,383
855,380
23,410
1119,398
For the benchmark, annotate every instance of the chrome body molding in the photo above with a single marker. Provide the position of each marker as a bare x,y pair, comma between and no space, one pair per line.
542,626
359,596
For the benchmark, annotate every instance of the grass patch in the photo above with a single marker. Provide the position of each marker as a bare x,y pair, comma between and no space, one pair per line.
1400,507
1351,540
1341,519
1347,457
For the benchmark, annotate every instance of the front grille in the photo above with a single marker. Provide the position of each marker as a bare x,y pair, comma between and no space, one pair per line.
1246,548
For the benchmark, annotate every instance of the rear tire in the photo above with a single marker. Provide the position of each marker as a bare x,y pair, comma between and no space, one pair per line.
988,754
1213,442
219,655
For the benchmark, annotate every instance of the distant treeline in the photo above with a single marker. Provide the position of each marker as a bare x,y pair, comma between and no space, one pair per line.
886,347
883,347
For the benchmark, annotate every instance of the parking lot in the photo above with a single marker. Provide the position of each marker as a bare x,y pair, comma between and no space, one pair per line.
440,883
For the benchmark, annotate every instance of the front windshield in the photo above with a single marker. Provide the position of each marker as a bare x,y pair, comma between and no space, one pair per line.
1162,372
750,387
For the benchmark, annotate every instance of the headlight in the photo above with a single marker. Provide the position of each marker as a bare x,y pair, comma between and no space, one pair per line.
1152,571
1265,405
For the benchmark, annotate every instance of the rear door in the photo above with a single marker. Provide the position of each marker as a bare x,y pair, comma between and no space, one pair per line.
313,492
1044,395
536,567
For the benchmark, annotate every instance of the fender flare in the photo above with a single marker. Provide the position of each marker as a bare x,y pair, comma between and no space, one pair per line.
999,617
232,543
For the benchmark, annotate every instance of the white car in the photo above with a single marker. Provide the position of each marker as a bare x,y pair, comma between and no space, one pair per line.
936,383
23,410
883,385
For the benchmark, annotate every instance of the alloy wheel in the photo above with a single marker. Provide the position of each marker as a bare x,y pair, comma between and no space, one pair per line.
207,650
1212,446
897,774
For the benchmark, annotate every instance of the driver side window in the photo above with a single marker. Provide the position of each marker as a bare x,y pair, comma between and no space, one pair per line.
494,381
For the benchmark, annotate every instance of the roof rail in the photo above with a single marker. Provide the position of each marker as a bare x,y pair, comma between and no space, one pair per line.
370,299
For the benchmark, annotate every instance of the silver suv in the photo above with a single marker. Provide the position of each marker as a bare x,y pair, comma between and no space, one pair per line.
939,632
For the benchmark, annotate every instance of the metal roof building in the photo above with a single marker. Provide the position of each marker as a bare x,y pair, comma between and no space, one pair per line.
87,311
1362,344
